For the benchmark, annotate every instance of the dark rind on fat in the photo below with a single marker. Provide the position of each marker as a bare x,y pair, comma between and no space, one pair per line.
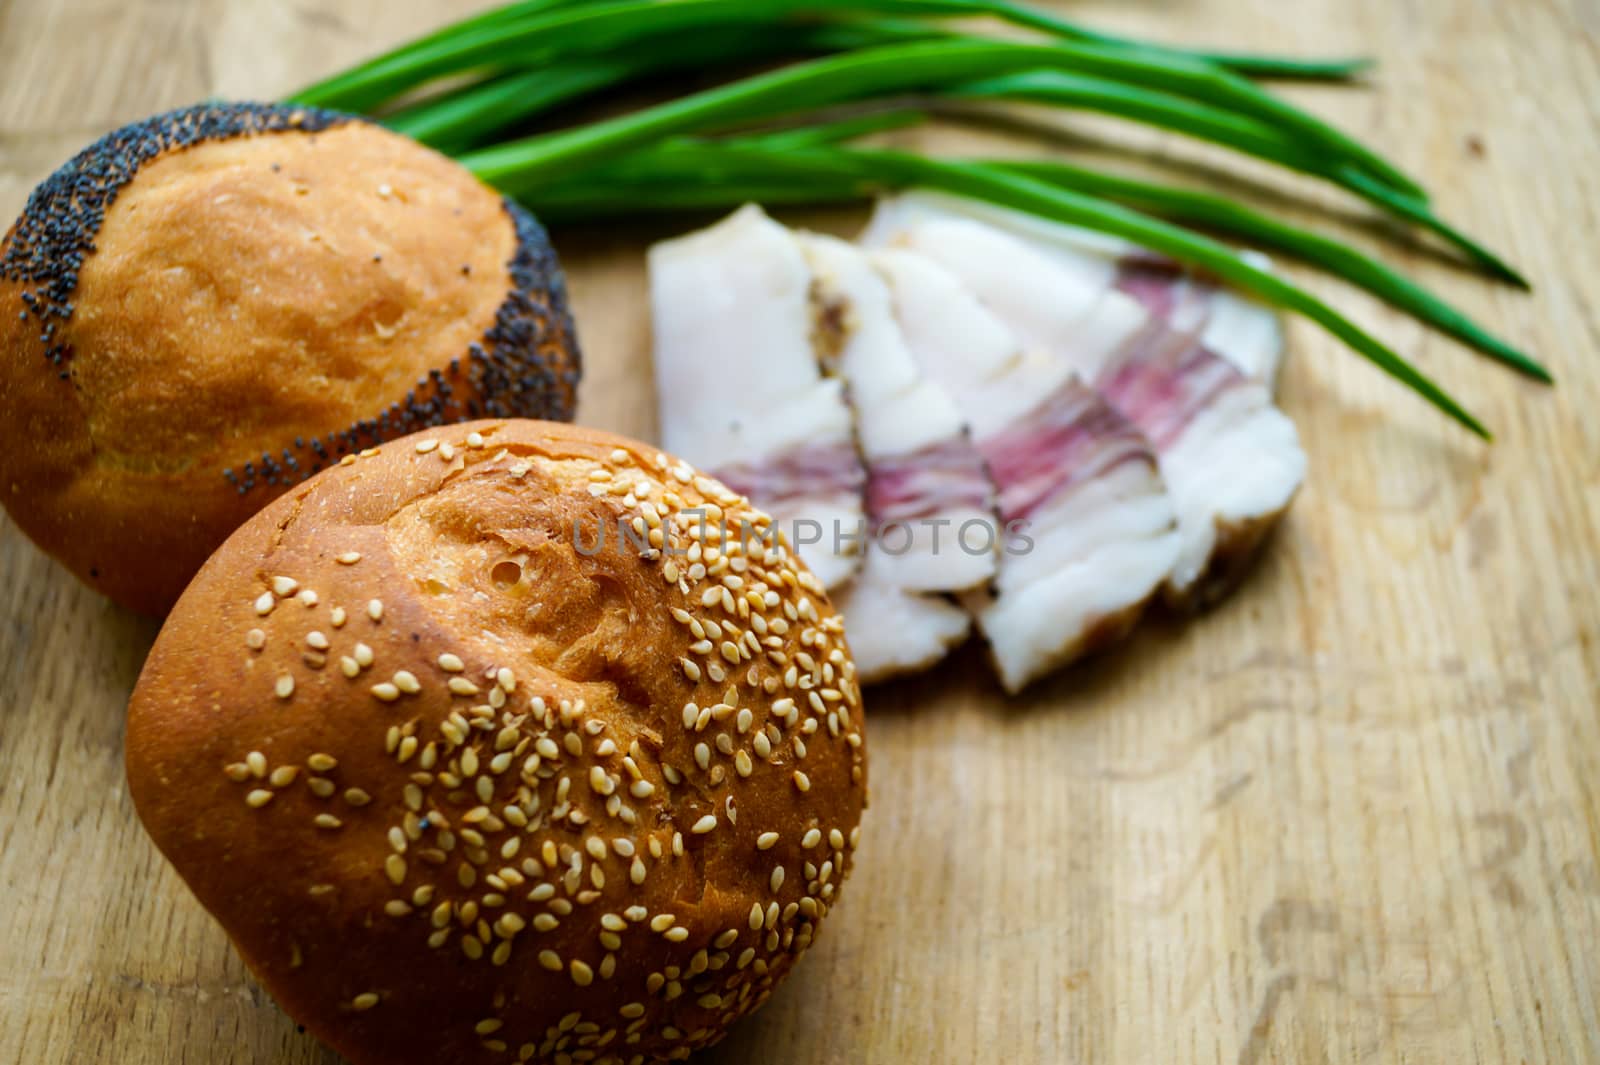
526,365
47,246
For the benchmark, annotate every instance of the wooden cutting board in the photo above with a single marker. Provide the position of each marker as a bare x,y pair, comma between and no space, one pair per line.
1351,815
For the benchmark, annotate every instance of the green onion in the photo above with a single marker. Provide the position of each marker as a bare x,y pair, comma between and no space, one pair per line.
600,27
546,29
462,119
1242,133
877,72
824,133
1259,231
468,116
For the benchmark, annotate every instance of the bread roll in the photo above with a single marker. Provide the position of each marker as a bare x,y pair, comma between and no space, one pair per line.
466,783
205,308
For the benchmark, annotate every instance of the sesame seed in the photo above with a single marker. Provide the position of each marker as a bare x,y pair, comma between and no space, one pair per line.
264,604
425,446
550,960
317,640
506,679
386,691
363,655
284,685
327,821
394,867
451,663
641,789
811,839
777,878
364,1001
407,682
308,598
766,841
258,798
745,720
836,840
704,825
375,609
463,686
349,666
677,935
284,775
474,439
284,587
357,797
255,639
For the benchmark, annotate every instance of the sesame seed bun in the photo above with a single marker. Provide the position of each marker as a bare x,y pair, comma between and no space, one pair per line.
205,308
465,782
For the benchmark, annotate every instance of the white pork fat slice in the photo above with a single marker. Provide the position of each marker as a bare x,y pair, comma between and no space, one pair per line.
1241,328
1090,532
1245,332
1231,460
925,479
892,631
738,387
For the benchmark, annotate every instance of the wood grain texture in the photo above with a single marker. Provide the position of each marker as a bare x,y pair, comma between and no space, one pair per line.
1351,815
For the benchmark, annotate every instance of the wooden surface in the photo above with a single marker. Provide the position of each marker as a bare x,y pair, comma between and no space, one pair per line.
1352,815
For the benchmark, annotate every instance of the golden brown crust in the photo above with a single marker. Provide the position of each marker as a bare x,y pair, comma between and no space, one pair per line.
484,939
252,309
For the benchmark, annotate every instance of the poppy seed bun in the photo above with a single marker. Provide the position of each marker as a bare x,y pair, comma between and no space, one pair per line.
464,788
207,307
